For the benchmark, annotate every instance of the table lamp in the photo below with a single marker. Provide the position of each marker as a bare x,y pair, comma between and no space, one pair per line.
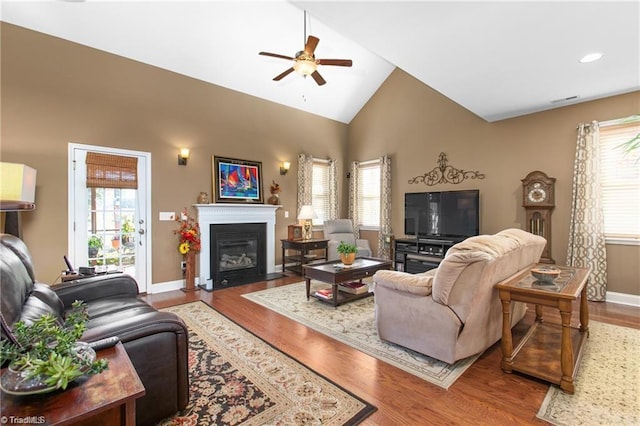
307,214
17,193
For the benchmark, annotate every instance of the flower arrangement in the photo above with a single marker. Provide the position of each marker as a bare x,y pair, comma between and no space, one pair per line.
188,232
274,187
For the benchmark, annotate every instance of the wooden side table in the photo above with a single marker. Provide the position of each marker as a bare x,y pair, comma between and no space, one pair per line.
551,352
107,398
301,253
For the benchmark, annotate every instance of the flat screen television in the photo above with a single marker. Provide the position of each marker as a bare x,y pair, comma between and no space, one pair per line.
454,214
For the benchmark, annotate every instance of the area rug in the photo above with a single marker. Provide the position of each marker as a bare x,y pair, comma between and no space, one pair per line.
238,379
354,325
607,387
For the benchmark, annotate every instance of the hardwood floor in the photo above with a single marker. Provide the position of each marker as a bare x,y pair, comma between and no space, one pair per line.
483,395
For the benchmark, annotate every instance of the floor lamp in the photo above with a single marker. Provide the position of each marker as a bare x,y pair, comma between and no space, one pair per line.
17,194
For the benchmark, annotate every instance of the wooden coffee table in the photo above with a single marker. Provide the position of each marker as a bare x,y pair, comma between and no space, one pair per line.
551,352
332,273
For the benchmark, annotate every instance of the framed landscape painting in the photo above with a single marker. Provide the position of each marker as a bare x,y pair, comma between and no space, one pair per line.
237,181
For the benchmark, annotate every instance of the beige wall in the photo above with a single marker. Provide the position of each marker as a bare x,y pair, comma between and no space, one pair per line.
414,123
55,92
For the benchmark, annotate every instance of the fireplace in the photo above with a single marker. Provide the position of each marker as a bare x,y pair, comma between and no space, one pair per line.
223,213
238,253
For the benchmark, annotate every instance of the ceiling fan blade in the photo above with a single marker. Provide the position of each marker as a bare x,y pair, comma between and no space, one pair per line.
312,43
318,78
282,75
338,62
275,55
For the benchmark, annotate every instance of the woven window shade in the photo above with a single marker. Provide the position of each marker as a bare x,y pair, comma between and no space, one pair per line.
111,171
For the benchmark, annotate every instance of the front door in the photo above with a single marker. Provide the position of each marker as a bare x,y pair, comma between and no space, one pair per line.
108,227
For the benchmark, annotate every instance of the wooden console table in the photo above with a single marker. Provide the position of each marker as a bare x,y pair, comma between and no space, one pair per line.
551,352
301,256
108,398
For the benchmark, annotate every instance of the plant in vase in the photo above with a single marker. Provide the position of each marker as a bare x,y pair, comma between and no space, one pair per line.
94,244
127,230
347,252
189,244
48,356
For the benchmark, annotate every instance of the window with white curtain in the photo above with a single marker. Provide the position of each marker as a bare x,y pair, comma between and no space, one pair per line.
369,194
320,190
620,181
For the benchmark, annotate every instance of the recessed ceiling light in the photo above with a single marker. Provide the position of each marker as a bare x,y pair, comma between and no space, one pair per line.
590,57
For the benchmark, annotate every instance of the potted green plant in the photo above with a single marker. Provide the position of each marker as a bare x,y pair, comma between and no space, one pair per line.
94,244
127,230
48,355
347,252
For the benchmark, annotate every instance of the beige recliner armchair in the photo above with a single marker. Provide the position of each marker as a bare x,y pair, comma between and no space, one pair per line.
337,230
452,312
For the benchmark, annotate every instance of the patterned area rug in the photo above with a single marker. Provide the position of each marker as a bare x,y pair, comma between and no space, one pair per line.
353,324
607,385
237,378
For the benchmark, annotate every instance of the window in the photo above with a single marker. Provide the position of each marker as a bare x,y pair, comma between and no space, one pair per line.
620,181
369,194
321,190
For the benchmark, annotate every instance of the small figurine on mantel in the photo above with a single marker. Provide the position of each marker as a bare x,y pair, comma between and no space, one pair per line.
203,198
275,198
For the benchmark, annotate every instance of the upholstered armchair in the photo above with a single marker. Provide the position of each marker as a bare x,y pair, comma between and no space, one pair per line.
337,230
453,312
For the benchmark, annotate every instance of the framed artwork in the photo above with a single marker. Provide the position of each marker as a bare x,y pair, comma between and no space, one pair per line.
295,232
237,181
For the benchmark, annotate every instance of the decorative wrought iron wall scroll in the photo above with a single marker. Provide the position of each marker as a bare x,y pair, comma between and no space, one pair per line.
445,174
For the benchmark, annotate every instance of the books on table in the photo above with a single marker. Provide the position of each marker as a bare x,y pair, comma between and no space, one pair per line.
354,287
325,293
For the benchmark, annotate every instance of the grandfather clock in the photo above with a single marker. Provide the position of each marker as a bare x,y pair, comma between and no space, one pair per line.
538,195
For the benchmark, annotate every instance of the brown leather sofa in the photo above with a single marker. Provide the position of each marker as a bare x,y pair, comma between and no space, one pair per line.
156,342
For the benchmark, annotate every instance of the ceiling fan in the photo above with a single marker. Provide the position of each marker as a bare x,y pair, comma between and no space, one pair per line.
305,62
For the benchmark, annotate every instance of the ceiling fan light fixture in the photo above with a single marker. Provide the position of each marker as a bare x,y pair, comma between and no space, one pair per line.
305,66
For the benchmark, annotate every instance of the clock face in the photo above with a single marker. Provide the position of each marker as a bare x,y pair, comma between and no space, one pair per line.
537,194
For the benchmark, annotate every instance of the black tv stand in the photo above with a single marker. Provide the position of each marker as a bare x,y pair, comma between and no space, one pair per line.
416,255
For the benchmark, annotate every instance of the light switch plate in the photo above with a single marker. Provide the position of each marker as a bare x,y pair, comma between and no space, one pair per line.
167,215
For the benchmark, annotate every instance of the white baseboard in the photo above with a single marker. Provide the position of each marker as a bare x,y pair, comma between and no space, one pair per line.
164,287
178,284
623,298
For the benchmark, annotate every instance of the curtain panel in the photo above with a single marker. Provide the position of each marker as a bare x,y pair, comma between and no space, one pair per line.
353,198
384,246
305,180
333,190
586,246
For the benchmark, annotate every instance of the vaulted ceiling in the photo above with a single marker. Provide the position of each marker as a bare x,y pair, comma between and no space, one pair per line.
497,59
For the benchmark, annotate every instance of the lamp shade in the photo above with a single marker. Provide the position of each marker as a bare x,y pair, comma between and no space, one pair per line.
307,212
17,187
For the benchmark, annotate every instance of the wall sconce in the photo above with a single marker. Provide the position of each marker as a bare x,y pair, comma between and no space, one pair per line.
284,169
183,156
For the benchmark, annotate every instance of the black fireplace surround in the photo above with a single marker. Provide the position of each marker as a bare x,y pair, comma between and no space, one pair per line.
238,253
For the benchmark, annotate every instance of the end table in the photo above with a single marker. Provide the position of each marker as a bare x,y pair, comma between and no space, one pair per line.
551,352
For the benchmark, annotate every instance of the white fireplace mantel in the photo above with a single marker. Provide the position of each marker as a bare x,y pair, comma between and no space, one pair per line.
234,213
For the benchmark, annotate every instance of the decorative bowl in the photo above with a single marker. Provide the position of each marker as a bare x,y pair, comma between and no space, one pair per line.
545,274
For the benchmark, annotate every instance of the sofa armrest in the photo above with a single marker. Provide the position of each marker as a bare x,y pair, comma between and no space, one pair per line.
418,285
96,287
